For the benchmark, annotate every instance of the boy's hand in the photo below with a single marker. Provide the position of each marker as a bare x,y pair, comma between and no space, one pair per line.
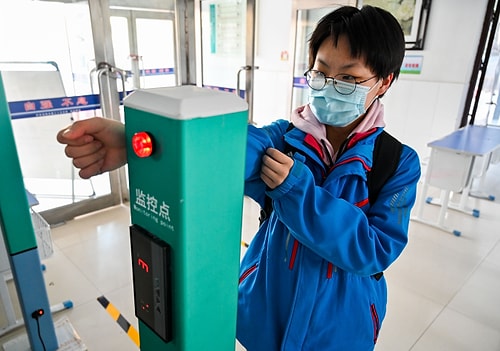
275,167
96,145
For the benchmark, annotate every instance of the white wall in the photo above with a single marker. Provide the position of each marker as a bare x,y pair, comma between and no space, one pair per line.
422,108
419,108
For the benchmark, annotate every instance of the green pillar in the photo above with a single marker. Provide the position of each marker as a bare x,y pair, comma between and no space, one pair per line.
189,194
19,238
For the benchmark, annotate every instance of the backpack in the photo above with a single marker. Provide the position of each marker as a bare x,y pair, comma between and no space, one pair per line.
386,155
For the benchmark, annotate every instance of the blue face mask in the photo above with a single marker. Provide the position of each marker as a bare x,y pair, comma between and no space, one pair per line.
332,108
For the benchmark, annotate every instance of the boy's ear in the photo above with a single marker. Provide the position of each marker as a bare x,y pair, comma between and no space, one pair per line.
386,83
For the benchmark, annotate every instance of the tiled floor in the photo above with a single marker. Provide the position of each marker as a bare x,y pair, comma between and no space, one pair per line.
444,290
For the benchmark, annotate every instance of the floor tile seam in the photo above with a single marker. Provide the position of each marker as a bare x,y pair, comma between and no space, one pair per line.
78,269
443,308
491,251
72,246
467,278
464,282
118,288
446,305
493,327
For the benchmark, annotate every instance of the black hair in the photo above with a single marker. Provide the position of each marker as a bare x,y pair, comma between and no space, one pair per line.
373,34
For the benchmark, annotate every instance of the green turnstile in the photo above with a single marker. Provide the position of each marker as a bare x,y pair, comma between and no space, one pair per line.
186,152
19,237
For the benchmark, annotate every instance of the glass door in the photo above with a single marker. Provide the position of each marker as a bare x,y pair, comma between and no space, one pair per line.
47,51
136,34
227,47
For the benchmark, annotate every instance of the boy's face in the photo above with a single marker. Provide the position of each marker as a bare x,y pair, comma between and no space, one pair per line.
334,60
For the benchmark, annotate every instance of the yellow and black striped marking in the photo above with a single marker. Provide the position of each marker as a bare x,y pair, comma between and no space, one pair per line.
122,322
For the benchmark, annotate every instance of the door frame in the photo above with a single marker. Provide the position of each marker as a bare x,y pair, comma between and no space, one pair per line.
132,14
103,50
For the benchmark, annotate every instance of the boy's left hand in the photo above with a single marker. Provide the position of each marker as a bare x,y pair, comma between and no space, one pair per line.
275,167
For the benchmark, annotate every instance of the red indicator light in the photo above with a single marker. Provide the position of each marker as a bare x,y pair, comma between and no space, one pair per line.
38,313
142,144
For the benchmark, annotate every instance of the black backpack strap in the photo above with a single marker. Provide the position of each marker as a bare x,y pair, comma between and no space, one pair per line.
386,155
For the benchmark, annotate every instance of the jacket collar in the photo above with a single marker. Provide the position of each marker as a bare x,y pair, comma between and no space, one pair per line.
303,119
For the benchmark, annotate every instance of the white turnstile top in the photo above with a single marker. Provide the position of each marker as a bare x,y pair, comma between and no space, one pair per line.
185,102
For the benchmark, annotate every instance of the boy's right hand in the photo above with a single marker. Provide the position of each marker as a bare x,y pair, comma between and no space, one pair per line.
96,145
275,167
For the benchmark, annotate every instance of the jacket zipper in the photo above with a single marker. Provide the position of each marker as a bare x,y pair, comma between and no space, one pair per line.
330,269
376,322
294,254
247,273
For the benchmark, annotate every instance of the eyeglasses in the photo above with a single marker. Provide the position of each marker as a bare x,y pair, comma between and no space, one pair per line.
343,83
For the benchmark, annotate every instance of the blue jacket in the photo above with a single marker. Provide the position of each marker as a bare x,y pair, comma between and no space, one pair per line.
307,277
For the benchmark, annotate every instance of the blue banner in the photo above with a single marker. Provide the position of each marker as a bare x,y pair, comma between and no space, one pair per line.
69,104
156,71
55,106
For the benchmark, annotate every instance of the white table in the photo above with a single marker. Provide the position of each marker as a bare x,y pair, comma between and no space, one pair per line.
451,169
